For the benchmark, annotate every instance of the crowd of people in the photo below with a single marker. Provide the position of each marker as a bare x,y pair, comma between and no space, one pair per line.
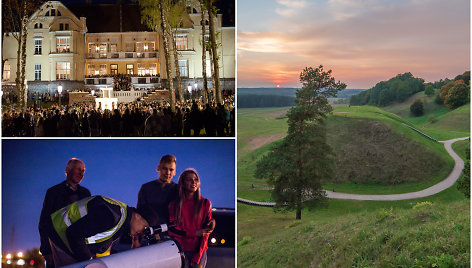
136,119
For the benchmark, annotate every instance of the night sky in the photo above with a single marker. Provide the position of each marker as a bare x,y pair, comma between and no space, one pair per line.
114,168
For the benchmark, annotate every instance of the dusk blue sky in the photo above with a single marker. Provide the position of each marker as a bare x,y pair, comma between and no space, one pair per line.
114,168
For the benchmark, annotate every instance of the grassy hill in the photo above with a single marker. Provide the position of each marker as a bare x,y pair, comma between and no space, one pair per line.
375,152
359,234
438,121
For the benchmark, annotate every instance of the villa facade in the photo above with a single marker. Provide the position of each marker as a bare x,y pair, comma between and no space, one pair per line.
63,50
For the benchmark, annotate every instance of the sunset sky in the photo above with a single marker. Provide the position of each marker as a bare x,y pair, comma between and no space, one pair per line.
362,41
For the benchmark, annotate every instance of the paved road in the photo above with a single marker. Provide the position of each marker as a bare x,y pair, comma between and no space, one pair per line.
441,186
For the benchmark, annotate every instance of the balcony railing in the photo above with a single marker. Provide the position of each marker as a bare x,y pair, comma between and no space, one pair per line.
123,55
108,80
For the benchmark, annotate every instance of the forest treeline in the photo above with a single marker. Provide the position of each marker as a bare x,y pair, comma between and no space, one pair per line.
402,86
396,89
256,101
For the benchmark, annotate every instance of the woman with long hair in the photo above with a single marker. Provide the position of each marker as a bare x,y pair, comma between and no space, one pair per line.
191,213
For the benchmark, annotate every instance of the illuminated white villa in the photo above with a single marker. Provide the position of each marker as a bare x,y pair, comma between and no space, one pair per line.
89,52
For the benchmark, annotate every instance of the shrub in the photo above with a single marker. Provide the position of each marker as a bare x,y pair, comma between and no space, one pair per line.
417,108
384,214
429,90
432,119
422,204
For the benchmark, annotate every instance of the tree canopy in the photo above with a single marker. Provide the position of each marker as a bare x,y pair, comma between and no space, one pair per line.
296,164
396,89
455,94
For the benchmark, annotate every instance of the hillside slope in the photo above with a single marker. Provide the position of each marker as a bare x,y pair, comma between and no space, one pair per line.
426,234
438,120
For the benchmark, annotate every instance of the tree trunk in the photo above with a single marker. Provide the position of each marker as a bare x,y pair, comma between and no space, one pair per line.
214,54
21,62
170,77
206,94
300,174
177,70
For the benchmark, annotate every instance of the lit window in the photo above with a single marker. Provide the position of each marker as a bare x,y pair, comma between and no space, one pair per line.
92,48
103,69
141,69
181,42
129,68
183,67
37,72
38,45
103,50
63,70
113,47
153,68
6,71
63,44
91,69
114,69
139,47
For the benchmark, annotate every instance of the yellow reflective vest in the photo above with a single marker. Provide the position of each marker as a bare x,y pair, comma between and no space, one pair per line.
66,216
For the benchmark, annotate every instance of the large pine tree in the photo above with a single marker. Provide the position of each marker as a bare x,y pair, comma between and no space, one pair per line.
296,164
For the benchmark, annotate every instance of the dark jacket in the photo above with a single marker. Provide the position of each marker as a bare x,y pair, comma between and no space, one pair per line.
156,197
56,197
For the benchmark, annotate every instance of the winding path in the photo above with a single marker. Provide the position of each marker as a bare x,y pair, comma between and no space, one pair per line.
441,186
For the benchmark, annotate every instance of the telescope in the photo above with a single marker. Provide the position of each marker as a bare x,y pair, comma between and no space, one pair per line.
166,254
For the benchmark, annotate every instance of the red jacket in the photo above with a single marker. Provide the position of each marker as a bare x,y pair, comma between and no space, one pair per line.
190,242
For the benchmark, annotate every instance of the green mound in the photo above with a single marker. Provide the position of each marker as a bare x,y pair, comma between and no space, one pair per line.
371,152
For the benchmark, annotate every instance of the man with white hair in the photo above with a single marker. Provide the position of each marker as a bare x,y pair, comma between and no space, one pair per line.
59,196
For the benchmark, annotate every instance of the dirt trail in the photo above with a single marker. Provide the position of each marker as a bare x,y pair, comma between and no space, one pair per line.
259,141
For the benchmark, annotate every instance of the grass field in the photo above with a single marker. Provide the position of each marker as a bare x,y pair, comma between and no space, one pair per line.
261,118
359,234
